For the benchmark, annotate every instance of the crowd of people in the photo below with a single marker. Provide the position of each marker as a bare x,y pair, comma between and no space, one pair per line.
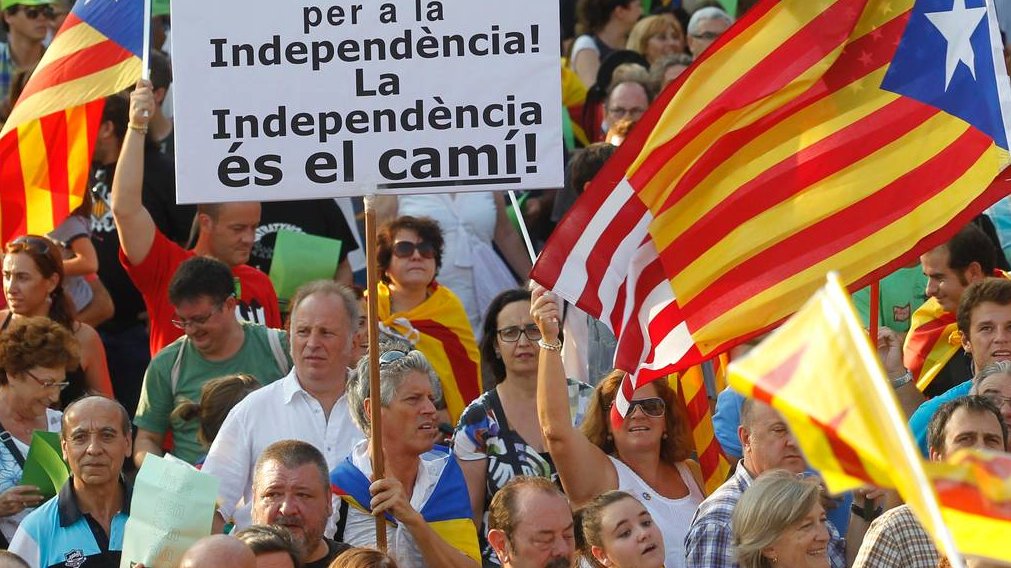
142,327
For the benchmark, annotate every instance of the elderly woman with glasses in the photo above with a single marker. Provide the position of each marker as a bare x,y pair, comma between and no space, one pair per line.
423,495
35,353
429,315
646,456
499,436
33,286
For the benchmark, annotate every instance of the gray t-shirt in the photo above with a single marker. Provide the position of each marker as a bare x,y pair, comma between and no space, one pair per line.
72,228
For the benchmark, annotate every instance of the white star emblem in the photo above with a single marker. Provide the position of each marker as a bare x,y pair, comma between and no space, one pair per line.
957,26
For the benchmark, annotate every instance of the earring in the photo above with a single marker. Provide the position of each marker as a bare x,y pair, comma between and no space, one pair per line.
610,438
664,437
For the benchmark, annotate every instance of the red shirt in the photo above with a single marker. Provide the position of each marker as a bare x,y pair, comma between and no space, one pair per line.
257,304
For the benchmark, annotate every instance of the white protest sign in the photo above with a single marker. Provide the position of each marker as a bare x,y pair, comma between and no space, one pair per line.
290,100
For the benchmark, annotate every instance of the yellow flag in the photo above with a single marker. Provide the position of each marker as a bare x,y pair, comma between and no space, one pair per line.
974,488
821,373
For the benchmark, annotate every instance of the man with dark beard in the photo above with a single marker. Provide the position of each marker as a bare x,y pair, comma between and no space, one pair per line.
291,488
530,525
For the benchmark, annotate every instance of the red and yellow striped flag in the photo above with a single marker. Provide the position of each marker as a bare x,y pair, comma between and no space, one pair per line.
815,135
929,345
47,142
691,386
821,373
974,487
439,328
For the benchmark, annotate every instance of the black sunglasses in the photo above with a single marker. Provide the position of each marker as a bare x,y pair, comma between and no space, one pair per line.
35,11
653,406
405,249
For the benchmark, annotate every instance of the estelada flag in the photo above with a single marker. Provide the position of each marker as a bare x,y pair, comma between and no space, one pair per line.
821,373
974,488
47,142
815,135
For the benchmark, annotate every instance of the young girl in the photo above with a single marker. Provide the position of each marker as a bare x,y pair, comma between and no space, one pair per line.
615,530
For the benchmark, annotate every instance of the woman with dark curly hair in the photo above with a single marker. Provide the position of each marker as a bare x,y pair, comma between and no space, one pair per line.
33,286
647,456
429,315
35,353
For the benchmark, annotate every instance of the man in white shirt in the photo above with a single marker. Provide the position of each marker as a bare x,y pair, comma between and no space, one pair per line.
308,404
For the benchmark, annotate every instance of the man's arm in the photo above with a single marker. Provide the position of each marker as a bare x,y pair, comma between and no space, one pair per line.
134,223
147,442
228,460
388,497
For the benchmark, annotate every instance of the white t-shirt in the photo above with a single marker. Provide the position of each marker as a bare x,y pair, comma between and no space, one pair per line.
672,516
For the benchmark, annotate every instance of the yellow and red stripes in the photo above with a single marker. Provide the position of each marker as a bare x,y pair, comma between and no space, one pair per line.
47,142
777,158
692,389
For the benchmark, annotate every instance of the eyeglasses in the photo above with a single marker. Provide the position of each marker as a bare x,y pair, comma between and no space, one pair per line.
634,112
512,333
405,249
653,406
708,36
38,245
35,11
46,384
388,357
997,399
183,323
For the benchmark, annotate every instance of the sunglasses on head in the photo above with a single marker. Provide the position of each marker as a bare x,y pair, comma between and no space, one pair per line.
388,357
39,245
45,11
405,249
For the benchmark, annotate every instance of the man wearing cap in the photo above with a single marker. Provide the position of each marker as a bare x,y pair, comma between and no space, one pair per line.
25,22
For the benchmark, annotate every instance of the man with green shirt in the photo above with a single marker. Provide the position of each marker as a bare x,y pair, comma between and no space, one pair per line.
215,344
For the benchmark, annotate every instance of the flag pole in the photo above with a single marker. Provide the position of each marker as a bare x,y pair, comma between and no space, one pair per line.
145,54
376,437
885,393
872,312
523,225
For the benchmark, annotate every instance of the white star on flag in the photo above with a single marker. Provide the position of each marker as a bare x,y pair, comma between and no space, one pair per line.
957,26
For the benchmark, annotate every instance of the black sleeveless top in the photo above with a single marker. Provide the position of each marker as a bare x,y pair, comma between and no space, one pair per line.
78,384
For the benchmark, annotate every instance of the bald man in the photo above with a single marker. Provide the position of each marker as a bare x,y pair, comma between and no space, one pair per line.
86,520
218,550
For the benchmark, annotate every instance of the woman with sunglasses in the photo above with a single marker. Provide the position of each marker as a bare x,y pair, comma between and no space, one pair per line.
34,355
423,492
430,315
499,436
33,286
647,455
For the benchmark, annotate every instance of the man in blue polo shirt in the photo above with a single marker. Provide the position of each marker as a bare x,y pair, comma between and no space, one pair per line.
84,524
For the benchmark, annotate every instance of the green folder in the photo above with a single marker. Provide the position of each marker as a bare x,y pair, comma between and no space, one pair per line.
300,258
44,466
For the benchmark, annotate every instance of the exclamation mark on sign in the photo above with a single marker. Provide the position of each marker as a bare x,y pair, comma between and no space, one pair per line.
535,38
531,153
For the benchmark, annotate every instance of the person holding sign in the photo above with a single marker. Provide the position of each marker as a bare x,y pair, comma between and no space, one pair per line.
34,355
428,314
85,523
423,496
226,232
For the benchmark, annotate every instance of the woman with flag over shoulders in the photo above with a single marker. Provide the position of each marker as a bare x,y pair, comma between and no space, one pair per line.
412,303
423,495
646,456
